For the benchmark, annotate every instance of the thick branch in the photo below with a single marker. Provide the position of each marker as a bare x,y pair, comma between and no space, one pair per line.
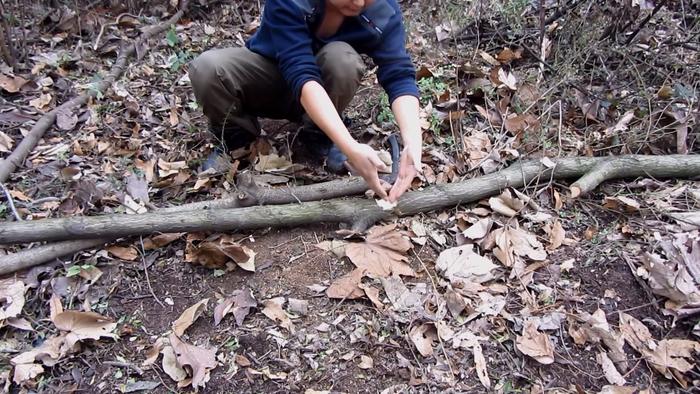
249,194
607,169
349,211
17,157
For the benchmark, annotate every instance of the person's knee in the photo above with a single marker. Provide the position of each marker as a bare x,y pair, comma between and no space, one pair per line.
203,70
340,60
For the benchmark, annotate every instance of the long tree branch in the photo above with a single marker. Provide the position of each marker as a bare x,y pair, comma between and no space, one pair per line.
359,212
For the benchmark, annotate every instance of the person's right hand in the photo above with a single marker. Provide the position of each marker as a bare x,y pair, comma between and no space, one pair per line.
365,162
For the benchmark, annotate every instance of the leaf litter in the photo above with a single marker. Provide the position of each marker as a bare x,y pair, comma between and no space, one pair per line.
523,276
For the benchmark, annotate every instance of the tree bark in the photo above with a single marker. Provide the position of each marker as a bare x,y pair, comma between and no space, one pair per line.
17,157
361,213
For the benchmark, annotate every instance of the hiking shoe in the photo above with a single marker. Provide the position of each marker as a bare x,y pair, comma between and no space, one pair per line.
228,140
319,146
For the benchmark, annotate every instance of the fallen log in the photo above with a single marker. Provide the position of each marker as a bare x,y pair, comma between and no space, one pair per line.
248,194
17,157
360,213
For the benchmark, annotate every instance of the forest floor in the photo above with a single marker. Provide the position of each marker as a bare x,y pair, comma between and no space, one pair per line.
530,291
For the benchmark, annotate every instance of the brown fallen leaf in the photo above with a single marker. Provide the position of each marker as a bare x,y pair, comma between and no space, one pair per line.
513,242
273,310
189,316
610,389
128,253
518,124
48,353
11,299
218,252
160,240
556,235
373,294
624,203
462,265
335,246
594,328
535,344
507,55
153,352
479,229
170,365
200,360
611,373
11,83
239,304
84,325
25,372
670,357
347,286
383,252
366,362
480,364
423,337
6,142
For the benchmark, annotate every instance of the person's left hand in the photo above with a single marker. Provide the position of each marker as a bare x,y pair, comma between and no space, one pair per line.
407,172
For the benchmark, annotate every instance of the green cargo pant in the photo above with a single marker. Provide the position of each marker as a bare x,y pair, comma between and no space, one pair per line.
235,86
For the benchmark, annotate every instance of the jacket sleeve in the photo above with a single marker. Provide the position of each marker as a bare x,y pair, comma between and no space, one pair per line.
396,72
292,43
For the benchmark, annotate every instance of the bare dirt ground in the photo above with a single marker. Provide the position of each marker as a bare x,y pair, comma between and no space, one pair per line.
530,291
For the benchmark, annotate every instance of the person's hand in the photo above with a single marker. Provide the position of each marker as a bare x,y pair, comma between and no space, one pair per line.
365,162
408,170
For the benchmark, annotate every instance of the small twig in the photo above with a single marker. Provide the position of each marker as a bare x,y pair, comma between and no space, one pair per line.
10,202
120,364
646,20
145,270
116,22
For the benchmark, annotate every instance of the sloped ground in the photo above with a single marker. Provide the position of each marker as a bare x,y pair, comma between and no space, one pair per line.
530,291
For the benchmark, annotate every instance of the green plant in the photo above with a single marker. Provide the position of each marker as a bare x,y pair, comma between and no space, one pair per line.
179,59
171,37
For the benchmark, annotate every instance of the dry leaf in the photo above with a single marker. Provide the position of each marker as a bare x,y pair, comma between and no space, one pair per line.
507,79
217,254
335,246
12,83
347,286
153,352
383,252
128,253
199,360
400,296
239,304
366,362
166,169
41,102
275,163
189,316
11,299
671,357
517,124
161,240
422,337
480,363
611,373
479,229
507,55
48,353
627,204
535,344
273,310
24,372
462,264
595,328
515,242
6,142
171,366
84,325
556,235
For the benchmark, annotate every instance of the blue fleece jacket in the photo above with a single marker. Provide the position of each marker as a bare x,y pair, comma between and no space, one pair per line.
286,34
